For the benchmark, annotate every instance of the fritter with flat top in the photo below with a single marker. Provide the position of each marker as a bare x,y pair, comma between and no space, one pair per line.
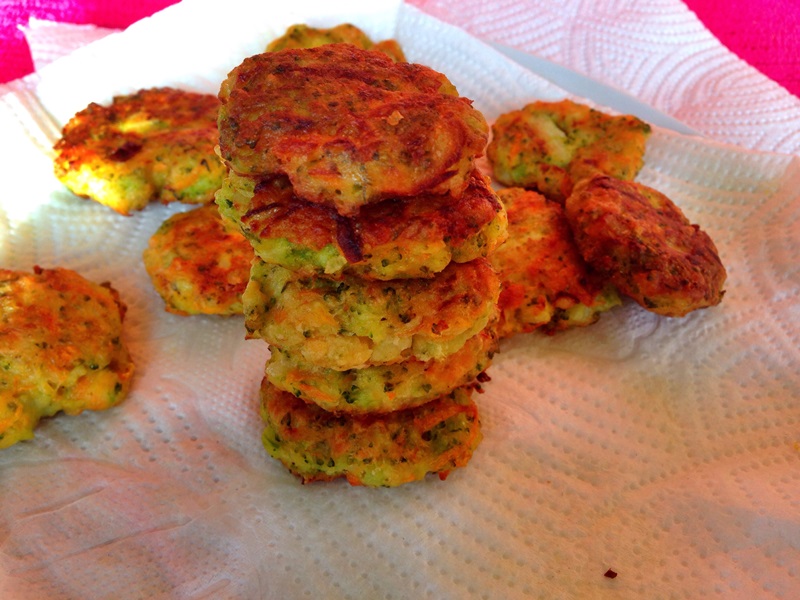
391,239
153,145
644,244
550,146
304,36
545,282
376,450
381,388
351,323
348,126
197,265
61,348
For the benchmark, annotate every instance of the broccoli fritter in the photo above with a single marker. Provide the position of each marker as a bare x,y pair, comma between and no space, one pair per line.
381,388
351,323
197,265
550,146
153,145
348,126
545,283
304,36
392,239
376,450
61,348
644,244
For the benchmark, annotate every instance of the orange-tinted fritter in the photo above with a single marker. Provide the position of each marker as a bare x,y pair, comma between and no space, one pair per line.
645,245
396,238
61,348
350,323
154,145
305,36
550,146
348,126
376,450
545,281
197,265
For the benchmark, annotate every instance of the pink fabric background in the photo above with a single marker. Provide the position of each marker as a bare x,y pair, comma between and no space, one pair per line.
765,33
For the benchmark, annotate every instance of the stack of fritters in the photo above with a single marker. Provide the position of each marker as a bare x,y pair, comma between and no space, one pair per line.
353,177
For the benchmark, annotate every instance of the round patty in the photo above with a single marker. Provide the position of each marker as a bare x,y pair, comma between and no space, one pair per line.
642,242
545,283
154,145
396,238
549,146
348,126
351,323
304,36
381,388
61,348
197,265
377,450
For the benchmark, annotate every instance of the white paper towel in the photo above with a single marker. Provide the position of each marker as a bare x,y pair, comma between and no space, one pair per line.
666,450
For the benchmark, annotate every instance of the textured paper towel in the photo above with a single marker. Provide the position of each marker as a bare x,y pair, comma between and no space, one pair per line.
658,50
666,450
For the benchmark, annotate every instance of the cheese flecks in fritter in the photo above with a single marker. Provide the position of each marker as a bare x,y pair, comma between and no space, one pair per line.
545,283
348,126
550,146
376,450
381,388
197,265
61,349
351,323
154,145
391,239
304,36
645,245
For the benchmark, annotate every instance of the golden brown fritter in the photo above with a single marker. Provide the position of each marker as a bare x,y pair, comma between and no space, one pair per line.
351,323
392,239
304,36
645,245
544,280
154,145
377,450
381,388
348,126
549,146
61,348
197,265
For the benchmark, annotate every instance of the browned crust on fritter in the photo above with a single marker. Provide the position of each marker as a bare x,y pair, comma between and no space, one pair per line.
61,348
544,277
425,231
305,36
550,146
197,265
387,449
154,144
646,246
348,126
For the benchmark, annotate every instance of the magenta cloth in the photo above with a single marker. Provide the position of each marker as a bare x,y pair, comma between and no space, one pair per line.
764,33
